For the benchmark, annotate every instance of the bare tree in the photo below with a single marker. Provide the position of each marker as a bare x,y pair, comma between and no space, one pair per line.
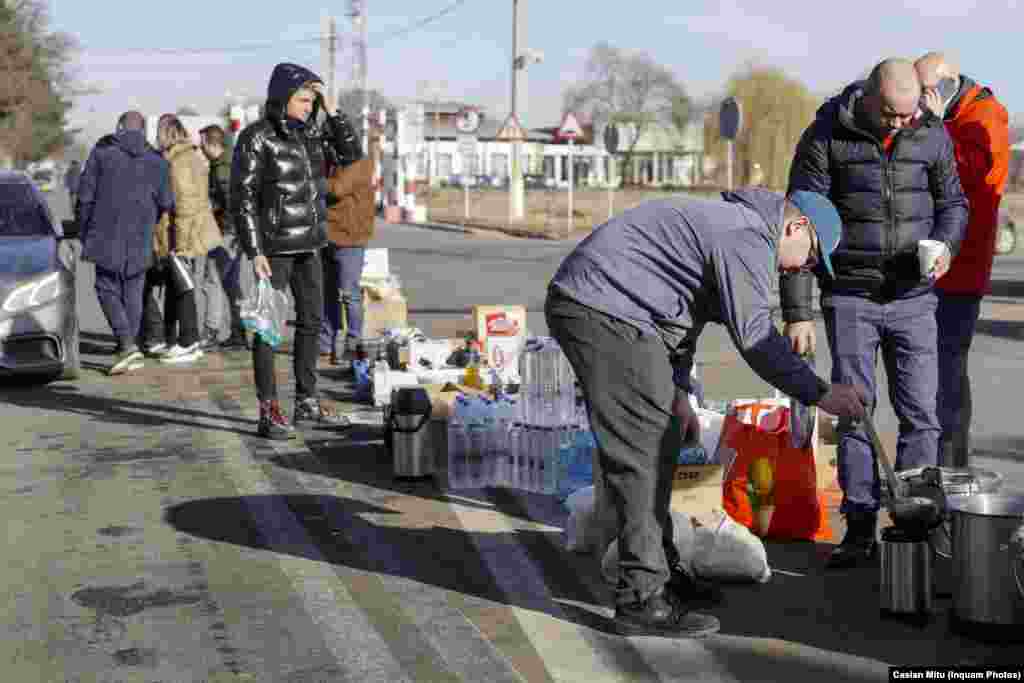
776,110
186,111
626,87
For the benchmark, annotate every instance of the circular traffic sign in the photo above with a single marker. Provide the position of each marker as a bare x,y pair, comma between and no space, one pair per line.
730,119
467,120
611,138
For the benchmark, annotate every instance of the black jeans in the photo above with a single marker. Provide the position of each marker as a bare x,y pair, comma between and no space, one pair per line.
304,274
152,330
180,310
627,382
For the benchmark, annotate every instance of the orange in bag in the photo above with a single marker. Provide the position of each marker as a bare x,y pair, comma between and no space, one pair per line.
771,487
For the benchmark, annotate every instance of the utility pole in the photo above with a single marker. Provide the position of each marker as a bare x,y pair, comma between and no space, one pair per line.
357,15
516,189
329,55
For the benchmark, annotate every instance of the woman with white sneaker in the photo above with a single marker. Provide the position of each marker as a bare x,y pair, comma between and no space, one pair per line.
188,234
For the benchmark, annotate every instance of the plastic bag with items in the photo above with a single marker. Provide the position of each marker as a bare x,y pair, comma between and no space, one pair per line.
265,313
683,536
728,551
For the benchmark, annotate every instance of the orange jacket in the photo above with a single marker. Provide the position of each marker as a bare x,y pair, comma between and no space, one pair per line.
979,127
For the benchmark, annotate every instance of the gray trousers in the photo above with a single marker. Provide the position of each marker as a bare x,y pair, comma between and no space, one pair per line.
228,279
627,382
904,332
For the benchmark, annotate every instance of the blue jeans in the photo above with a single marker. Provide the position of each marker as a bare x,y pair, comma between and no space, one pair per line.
956,318
343,266
904,331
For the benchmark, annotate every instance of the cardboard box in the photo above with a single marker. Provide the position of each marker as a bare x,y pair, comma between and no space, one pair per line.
442,401
457,327
380,315
697,490
508,322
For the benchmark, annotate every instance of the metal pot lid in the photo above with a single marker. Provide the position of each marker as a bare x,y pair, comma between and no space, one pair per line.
960,481
990,505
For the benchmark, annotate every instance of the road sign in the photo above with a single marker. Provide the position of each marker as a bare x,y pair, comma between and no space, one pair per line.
570,128
511,130
730,119
611,138
468,120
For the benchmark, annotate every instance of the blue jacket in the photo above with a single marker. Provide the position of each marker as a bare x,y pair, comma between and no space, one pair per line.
670,266
888,200
124,189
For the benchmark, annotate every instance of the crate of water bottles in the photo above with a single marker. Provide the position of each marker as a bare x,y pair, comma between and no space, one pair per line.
547,386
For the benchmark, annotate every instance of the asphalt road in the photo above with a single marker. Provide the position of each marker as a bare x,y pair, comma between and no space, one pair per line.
152,537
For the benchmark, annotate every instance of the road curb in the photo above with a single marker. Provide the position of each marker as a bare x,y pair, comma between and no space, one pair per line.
467,228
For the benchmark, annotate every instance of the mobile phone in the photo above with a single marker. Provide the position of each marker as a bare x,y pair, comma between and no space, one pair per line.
946,87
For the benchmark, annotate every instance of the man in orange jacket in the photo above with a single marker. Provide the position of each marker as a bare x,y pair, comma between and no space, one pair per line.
979,127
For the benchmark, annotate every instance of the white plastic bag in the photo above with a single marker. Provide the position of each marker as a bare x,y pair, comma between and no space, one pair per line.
265,312
591,525
728,551
683,535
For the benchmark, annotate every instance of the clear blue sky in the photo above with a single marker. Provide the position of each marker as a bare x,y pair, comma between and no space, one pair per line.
824,44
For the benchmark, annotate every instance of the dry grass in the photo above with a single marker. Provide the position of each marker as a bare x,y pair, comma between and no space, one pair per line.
546,211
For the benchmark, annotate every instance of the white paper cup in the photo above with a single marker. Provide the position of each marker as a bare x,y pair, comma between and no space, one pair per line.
928,252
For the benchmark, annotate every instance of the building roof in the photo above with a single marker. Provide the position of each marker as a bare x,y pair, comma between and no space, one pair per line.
488,130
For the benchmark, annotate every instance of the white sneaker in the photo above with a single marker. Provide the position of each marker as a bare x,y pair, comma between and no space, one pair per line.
182,354
158,349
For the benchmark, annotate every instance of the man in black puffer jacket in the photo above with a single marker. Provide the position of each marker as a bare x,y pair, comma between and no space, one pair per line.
890,170
279,202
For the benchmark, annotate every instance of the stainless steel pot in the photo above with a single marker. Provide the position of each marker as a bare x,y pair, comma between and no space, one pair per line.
988,586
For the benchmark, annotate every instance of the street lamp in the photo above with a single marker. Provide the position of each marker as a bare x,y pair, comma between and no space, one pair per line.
520,60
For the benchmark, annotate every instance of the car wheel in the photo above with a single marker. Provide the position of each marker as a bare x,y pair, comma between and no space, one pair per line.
73,361
1006,241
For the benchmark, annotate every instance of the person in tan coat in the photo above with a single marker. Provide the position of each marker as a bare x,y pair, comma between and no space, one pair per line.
190,232
351,218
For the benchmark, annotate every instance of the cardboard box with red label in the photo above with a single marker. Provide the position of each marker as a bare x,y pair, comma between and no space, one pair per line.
502,331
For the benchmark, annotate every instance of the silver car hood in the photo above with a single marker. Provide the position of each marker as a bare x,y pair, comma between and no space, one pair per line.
26,258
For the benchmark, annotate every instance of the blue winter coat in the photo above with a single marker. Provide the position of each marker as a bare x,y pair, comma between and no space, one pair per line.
124,189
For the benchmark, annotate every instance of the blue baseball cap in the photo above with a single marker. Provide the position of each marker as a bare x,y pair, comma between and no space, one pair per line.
827,223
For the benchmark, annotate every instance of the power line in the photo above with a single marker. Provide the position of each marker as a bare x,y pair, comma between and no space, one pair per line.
249,47
420,23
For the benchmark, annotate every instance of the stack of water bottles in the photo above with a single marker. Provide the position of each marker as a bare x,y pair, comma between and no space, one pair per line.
537,440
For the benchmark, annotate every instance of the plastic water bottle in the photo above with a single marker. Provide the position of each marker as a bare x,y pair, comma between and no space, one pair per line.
458,443
549,462
514,459
567,455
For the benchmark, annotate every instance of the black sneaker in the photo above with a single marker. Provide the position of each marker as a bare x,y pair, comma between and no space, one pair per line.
209,341
859,545
314,410
689,589
274,425
236,342
658,616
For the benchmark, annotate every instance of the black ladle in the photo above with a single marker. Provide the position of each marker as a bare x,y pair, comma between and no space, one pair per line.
907,512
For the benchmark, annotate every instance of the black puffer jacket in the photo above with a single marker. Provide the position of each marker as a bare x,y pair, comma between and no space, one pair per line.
888,201
278,187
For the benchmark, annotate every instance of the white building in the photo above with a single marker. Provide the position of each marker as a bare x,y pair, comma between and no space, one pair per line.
661,156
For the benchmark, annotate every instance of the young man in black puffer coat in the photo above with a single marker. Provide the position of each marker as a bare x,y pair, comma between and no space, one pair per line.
279,203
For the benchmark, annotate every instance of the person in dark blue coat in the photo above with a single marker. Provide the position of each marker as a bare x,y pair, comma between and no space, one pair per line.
124,190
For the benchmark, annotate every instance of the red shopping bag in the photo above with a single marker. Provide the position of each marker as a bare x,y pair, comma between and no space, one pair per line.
771,487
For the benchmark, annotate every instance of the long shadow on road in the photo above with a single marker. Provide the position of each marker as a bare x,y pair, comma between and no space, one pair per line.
68,398
802,604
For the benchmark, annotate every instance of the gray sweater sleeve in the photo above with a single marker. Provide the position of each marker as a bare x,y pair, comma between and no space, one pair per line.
743,266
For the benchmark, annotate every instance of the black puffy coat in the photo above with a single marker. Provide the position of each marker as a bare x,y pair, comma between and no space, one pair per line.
888,201
278,184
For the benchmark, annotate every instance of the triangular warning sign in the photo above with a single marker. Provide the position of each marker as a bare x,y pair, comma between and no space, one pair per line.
511,130
570,127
